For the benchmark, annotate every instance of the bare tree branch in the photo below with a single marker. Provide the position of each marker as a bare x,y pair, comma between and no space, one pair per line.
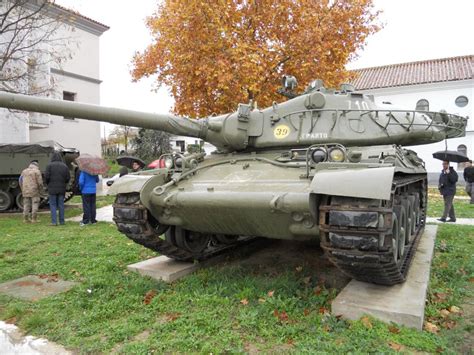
32,40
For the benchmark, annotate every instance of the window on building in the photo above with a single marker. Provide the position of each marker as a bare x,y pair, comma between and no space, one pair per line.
69,96
181,145
461,101
423,105
463,150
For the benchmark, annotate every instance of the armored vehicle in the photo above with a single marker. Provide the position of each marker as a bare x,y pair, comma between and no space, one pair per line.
16,157
324,165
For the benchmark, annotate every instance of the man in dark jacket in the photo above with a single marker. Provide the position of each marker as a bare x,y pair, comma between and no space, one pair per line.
469,179
447,188
56,176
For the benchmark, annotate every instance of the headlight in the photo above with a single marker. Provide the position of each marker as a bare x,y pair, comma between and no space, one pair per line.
336,155
319,155
168,162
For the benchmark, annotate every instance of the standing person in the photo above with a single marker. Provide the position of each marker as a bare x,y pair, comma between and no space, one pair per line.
447,188
87,184
57,176
123,171
31,185
469,178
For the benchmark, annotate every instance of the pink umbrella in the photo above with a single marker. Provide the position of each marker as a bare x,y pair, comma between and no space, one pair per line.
92,164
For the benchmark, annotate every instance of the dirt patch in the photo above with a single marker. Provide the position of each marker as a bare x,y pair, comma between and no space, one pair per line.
305,257
27,283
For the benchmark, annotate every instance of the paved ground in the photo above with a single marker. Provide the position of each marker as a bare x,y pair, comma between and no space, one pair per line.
459,221
12,341
104,214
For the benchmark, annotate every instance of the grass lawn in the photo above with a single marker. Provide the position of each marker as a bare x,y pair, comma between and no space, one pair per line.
462,207
220,309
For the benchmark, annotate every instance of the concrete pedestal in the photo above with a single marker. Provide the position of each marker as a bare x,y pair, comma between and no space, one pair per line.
403,304
164,268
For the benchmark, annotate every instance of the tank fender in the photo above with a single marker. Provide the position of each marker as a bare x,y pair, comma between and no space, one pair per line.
373,183
129,183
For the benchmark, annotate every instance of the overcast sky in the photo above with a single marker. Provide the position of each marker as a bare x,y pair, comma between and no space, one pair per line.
413,30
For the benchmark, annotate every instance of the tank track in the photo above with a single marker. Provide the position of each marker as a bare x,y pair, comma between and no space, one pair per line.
134,220
357,238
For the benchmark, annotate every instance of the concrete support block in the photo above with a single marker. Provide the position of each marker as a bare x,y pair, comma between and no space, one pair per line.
403,304
164,268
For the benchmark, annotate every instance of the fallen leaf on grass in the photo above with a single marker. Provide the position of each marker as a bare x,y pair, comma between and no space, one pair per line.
261,300
282,316
454,309
323,310
317,290
393,329
149,296
11,320
50,277
395,346
270,293
244,301
306,312
299,268
307,280
444,313
170,317
366,322
439,297
450,324
430,327
462,271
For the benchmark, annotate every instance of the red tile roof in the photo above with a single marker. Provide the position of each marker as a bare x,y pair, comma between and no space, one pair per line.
422,72
76,13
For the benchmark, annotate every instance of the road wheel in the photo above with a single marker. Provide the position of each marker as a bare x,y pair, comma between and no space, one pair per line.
412,216
6,200
19,201
395,236
191,241
402,229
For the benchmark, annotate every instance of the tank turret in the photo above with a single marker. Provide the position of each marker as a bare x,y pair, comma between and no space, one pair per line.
325,165
317,116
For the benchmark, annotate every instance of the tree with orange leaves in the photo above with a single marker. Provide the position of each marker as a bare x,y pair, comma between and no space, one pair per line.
214,54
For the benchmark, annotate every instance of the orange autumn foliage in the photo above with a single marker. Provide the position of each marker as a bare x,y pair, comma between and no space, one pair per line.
215,54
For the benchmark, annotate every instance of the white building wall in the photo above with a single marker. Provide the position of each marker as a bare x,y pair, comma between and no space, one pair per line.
441,96
79,75
81,134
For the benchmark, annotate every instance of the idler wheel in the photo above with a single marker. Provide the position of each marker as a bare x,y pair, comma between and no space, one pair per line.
400,212
6,200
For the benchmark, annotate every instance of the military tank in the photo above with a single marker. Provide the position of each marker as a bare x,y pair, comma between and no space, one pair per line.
16,157
324,165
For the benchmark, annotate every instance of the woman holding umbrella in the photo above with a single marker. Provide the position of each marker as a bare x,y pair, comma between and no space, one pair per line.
90,167
87,184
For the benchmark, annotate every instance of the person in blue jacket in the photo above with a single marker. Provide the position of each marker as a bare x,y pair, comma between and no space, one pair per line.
87,185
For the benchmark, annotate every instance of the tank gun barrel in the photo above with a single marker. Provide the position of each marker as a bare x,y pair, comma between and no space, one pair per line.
163,122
